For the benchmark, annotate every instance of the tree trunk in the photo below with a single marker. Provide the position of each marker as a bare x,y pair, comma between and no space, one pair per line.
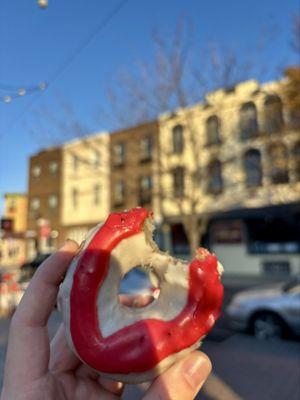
195,229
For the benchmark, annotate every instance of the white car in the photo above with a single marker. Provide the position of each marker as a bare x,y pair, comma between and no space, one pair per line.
269,311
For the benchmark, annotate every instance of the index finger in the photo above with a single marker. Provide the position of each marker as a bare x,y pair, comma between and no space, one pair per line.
40,297
28,346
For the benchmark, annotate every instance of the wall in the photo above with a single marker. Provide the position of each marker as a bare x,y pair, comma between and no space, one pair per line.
83,179
236,260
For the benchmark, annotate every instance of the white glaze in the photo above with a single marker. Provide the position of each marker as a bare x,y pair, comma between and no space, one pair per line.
129,253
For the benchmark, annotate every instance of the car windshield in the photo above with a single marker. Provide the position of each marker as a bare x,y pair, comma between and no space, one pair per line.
292,286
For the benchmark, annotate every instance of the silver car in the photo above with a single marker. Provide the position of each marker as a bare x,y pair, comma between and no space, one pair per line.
269,311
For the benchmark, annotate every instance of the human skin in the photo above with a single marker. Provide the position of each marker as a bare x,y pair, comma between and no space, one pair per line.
36,369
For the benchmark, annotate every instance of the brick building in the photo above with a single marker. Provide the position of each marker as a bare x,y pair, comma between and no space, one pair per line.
132,165
13,231
44,201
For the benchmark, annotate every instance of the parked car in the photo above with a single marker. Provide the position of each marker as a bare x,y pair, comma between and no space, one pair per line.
270,311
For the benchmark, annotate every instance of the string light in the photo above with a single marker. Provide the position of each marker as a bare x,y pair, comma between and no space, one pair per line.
7,99
43,4
20,92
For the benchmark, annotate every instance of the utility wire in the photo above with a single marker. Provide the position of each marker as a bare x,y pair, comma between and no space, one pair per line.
72,57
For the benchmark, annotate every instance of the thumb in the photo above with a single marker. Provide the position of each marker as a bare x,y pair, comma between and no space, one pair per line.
182,380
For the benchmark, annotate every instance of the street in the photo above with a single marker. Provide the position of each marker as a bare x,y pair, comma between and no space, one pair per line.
243,367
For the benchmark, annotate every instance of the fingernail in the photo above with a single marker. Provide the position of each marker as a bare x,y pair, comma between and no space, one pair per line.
196,370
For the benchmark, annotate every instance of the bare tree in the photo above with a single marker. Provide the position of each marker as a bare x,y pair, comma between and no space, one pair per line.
178,75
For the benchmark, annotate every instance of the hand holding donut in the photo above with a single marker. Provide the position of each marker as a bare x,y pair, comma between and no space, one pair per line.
36,369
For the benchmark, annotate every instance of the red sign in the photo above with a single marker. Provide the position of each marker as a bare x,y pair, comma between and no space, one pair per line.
45,231
229,232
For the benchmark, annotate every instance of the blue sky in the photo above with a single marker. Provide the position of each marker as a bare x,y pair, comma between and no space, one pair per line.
35,42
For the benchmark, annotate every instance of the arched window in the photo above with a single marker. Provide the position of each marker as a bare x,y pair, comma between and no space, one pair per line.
177,137
273,117
253,169
278,163
214,175
213,130
296,154
248,121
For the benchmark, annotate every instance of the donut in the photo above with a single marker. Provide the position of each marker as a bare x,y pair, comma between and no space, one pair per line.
136,344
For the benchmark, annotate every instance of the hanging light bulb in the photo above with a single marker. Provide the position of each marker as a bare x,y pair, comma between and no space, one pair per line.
21,92
42,86
7,99
43,3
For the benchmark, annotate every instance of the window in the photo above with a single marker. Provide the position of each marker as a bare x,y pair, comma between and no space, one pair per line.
253,169
53,167
96,160
248,125
52,201
35,203
177,136
36,171
146,146
12,205
96,195
119,193
119,154
273,118
145,190
214,175
213,130
75,162
75,198
293,117
180,244
178,182
278,163
296,154
272,233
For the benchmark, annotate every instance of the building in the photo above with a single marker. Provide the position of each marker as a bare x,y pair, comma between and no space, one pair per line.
44,231
85,185
13,230
238,151
132,164
225,172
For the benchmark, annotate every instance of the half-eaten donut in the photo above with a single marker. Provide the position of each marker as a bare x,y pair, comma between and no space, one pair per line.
136,344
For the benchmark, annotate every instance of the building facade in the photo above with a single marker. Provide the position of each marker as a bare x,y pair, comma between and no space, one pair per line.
13,231
44,229
229,167
239,150
85,185
132,167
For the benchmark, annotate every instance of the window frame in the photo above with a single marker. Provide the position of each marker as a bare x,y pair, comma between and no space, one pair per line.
248,121
247,170
178,141
178,184
214,139
119,157
146,155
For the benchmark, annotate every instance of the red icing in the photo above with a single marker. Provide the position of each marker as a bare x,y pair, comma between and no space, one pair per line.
140,346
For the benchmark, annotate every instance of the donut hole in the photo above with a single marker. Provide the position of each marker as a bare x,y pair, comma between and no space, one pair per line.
139,288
